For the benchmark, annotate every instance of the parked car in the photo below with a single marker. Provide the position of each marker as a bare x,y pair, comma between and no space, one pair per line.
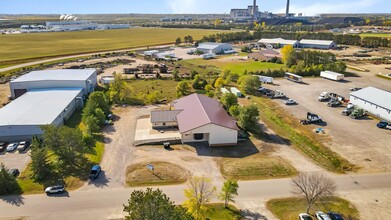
55,189
304,216
14,172
383,124
23,146
109,117
11,147
95,171
3,146
290,102
322,216
335,216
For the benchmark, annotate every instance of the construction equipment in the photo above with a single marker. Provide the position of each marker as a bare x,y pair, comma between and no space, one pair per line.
334,102
311,119
348,110
358,113
277,94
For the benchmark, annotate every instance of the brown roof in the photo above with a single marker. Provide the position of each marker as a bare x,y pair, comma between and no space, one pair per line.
200,110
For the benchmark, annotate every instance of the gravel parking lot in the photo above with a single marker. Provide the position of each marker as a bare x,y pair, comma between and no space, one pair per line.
359,141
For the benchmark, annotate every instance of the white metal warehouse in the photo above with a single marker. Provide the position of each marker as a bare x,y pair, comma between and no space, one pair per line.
46,79
318,44
373,100
215,48
23,117
279,41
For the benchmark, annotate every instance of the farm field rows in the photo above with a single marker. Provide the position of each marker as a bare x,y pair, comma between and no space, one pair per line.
34,45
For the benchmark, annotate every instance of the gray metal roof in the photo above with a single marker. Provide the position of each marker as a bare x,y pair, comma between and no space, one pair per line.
37,107
317,42
277,41
375,96
62,74
210,45
164,116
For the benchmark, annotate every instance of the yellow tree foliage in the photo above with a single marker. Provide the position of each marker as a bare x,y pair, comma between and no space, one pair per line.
286,52
219,82
199,192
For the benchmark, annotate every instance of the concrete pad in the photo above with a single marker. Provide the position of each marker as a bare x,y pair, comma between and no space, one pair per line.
146,134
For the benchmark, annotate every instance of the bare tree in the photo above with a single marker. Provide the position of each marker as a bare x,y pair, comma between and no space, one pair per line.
313,186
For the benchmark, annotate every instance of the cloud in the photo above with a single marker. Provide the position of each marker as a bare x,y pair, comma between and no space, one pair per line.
331,7
183,6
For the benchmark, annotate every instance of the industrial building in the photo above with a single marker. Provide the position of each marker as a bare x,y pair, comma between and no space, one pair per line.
81,25
279,42
374,101
199,119
215,48
24,117
318,44
85,79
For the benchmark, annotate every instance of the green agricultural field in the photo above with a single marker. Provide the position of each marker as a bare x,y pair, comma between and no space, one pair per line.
39,45
375,35
235,65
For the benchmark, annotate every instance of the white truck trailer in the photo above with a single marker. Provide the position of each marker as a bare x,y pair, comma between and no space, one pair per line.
293,77
265,79
332,75
208,56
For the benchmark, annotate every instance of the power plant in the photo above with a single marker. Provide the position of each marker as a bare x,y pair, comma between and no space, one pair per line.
252,13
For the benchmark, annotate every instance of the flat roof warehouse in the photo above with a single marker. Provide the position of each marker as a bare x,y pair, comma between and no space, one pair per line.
38,107
63,74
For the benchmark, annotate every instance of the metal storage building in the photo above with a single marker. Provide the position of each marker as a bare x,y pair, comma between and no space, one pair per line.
46,79
318,44
374,101
214,48
23,117
279,41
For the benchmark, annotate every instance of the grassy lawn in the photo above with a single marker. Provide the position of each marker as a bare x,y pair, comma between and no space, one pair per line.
256,167
164,174
34,45
217,211
166,89
252,160
290,208
74,178
375,35
301,137
236,66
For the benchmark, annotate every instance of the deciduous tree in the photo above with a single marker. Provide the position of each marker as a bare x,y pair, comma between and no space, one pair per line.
183,89
248,117
286,52
153,204
229,191
199,191
313,186
249,84
228,100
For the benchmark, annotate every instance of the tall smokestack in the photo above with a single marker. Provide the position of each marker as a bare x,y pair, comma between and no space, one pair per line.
287,9
254,9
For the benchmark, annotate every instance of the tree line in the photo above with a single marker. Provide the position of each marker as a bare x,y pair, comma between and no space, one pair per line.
347,39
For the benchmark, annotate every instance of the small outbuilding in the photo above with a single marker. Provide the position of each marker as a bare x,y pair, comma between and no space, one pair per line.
215,48
374,101
236,92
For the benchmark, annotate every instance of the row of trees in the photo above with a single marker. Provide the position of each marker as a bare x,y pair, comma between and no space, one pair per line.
348,39
310,63
187,40
154,204
95,111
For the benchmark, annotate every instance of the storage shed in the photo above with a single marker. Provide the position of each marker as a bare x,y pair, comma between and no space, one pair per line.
374,101
47,79
23,117
236,91
279,42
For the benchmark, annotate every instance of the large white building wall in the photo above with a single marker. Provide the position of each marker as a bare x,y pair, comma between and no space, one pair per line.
88,86
372,108
214,134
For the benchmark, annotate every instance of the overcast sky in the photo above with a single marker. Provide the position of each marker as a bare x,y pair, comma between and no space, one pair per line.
307,7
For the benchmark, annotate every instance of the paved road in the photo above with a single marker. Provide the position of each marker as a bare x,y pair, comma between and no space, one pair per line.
107,203
74,56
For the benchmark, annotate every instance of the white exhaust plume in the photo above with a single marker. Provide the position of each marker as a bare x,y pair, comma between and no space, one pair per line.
62,17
